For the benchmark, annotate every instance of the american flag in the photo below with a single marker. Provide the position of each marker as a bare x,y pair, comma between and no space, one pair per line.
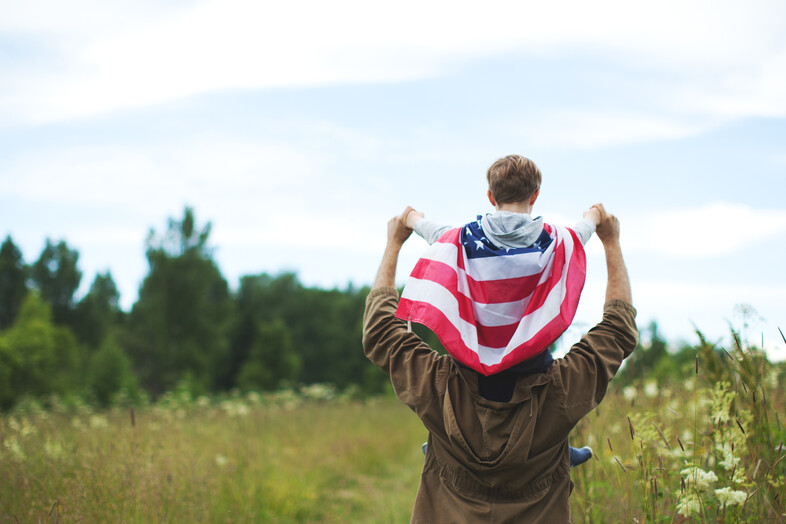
494,307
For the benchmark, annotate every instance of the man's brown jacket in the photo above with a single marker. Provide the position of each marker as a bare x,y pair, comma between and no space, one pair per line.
495,461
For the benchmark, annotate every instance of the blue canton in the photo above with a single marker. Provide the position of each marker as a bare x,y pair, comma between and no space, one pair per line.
476,245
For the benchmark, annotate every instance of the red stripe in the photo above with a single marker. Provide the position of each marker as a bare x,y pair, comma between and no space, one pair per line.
445,276
541,293
481,291
502,290
436,321
497,336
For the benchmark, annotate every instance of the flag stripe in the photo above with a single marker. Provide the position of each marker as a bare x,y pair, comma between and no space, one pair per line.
491,323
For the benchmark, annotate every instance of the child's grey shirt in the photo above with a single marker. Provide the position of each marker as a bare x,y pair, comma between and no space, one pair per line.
505,229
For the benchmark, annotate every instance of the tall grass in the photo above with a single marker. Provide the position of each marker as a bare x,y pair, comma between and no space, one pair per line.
708,448
252,459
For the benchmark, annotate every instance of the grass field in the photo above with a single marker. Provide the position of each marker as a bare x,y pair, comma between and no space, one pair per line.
705,450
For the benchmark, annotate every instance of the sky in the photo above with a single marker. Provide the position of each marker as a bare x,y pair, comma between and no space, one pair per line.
297,129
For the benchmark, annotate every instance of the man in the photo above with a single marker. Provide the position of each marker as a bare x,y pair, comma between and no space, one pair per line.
491,461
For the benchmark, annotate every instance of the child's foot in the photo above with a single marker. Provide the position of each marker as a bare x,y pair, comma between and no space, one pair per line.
579,456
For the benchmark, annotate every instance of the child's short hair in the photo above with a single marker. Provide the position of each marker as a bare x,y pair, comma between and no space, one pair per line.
513,179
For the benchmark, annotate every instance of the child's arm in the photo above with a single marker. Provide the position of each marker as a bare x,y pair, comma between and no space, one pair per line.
586,226
428,229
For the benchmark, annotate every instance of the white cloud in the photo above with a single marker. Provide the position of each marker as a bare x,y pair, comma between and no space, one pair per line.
201,170
715,229
588,130
149,54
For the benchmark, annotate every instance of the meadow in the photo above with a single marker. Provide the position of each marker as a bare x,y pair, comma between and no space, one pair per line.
707,448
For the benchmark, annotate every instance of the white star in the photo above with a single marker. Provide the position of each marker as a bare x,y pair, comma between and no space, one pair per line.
479,244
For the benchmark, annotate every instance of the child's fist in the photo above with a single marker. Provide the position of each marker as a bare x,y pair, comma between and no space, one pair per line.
593,214
412,218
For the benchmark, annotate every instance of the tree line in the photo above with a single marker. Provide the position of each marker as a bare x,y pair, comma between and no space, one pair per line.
187,329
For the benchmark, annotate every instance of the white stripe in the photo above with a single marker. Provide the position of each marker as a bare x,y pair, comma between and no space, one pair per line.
491,268
493,314
443,300
538,319
550,309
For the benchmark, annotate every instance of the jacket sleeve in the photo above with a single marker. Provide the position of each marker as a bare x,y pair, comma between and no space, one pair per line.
591,363
415,370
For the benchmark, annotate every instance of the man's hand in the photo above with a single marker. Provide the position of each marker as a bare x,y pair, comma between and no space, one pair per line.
398,230
398,233
608,228
608,231
413,217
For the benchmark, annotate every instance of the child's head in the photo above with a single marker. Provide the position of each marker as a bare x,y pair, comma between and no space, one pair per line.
513,179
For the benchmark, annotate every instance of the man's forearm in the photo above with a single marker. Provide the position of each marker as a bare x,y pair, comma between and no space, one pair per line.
386,275
618,286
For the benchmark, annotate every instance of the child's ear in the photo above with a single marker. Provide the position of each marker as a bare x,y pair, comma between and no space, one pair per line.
534,197
491,198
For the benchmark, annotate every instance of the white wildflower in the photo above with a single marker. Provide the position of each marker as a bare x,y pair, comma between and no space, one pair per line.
253,397
319,391
98,422
721,403
13,447
651,389
629,393
235,408
53,449
690,505
730,497
729,461
739,476
772,378
698,477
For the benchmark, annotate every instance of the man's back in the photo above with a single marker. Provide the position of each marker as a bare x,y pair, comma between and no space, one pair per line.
495,461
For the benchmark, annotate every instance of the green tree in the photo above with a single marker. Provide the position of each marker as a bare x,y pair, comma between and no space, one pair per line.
43,358
646,358
109,373
325,326
56,276
260,300
13,282
10,368
98,312
271,360
178,327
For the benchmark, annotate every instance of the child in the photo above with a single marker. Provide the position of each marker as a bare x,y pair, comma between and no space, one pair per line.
515,278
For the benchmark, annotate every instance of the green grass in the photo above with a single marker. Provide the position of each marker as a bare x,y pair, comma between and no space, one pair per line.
707,449
310,461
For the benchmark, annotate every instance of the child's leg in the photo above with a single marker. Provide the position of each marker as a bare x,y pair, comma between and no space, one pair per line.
579,456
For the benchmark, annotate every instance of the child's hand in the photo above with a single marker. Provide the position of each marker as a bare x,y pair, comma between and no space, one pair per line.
593,214
412,218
